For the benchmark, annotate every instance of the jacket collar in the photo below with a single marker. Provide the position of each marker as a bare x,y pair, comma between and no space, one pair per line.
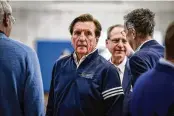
121,66
146,44
2,35
88,56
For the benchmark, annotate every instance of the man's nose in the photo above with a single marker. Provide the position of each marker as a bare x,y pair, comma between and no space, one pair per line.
120,44
82,36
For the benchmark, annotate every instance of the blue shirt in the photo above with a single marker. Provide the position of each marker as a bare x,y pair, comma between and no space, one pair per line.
21,89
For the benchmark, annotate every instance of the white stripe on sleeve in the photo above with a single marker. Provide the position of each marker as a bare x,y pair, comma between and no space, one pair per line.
115,88
112,92
113,95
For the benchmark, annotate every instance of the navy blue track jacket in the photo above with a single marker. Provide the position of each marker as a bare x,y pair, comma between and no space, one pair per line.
92,89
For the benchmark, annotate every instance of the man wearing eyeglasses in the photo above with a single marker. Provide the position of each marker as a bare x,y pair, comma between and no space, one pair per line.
139,28
117,43
21,88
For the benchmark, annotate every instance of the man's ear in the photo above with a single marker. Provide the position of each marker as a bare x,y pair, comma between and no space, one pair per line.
133,33
5,20
106,43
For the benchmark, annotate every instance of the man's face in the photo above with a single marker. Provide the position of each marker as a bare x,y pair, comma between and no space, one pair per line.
116,43
83,37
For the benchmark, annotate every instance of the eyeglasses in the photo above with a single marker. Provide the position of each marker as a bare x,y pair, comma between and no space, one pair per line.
117,40
13,20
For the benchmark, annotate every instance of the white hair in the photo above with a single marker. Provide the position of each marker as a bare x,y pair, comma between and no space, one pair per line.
4,8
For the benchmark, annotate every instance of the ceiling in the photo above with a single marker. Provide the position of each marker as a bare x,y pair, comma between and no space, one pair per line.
97,5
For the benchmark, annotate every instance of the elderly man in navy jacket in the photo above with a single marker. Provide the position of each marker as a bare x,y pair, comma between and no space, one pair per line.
84,83
154,90
139,26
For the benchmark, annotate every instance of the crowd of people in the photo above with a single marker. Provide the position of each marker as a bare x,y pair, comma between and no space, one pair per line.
136,81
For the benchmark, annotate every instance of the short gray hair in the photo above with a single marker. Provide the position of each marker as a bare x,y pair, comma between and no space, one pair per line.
111,28
142,20
4,8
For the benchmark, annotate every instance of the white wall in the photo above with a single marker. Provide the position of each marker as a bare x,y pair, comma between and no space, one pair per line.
32,24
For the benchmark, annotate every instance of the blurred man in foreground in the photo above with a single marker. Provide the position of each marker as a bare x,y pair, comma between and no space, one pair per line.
21,88
154,91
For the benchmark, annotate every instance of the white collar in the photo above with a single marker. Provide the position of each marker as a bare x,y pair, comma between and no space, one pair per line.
121,66
82,59
142,45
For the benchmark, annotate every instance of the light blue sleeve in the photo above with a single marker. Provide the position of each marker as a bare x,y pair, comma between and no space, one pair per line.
33,92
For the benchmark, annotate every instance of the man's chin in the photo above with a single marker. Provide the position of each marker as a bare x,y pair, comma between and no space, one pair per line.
119,56
82,52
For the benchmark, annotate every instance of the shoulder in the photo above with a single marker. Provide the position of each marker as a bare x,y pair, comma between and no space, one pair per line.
154,50
62,60
147,54
142,53
21,45
19,48
147,80
151,53
104,62
107,66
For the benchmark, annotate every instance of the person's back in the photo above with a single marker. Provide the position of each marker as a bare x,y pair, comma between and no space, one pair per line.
139,26
146,58
18,79
21,89
153,94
